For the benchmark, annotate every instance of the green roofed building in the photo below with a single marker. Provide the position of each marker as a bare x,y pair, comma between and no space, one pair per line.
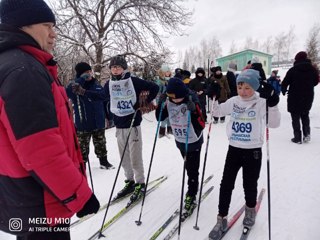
241,59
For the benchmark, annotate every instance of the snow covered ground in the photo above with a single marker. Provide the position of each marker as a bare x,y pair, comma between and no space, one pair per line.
294,173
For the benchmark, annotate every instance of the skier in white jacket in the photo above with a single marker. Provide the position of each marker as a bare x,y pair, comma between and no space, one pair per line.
245,132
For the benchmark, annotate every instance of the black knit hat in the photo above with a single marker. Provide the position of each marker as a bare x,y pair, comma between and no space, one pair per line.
118,61
82,67
176,88
21,13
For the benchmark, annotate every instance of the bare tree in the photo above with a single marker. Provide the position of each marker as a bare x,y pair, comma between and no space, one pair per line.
103,28
279,46
233,47
267,45
215,49
290,38
313,43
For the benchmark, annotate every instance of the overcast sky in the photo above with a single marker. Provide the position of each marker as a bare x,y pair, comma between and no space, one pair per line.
235,20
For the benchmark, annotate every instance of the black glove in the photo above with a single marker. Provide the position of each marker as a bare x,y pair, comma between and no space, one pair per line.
267,91
191,106
77,89
214,90
91,206
162,98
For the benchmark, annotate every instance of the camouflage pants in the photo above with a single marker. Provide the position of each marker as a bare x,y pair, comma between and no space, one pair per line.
99,143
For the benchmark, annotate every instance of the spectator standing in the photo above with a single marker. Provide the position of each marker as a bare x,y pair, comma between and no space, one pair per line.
299,82
199,86
88,97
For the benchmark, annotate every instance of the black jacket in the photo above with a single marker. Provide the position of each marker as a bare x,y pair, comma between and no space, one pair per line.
301,80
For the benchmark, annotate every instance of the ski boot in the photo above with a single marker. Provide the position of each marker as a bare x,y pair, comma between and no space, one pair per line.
169,130
249,217
189,206
128,188
220,227
139,191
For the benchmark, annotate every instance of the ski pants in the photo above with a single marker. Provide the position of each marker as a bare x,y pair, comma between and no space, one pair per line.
99,143
250,161
132,162
305,120
192,168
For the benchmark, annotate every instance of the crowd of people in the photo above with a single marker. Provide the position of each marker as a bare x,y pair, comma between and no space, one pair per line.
45,140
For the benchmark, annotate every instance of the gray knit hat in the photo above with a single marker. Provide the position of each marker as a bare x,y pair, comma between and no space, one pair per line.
251,77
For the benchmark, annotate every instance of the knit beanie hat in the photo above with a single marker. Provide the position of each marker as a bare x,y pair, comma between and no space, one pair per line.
200,70
81,68
251,77
301,56
176,88
21,13
118,61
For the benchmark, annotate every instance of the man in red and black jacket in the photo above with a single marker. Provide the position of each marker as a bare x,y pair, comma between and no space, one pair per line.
41,169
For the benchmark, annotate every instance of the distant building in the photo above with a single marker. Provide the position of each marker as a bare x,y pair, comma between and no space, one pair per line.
241,59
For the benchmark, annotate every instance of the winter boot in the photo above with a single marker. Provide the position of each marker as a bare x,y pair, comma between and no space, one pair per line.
169,130
219,228
249,217
104,163
162,132
139,191
189,204
297,137
128,188
306,139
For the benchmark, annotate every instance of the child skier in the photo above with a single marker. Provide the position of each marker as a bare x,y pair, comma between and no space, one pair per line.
182,100
245,132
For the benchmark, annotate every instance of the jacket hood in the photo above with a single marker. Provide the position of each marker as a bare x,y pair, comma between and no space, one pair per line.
303,65
12,37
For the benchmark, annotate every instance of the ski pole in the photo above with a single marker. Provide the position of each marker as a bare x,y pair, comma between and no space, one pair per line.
268,168
204,166
138,222
184,172
90,174
203,172
117,174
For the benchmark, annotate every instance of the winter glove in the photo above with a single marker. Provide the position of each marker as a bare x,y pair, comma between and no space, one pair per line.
86,76
191,106
91,206
77,89
267,91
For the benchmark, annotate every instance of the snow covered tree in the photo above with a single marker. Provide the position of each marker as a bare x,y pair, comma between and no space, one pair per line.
103,28
313,43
